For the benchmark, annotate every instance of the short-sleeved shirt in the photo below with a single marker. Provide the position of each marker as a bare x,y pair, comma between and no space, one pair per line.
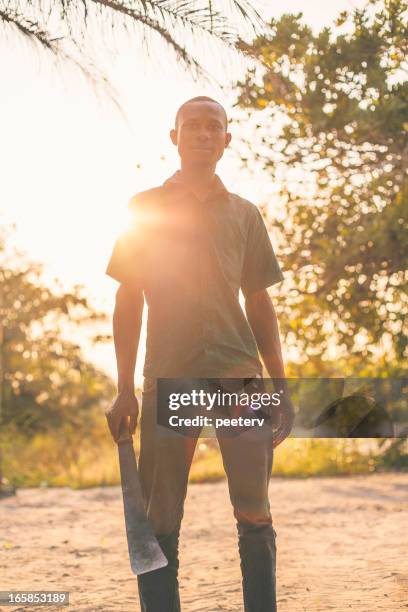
191,258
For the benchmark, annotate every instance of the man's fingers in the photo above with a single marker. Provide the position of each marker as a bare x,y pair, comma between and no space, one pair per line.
123,426
124,409
277,440
114,422
117,422
116,428
281,433
132,423
112,426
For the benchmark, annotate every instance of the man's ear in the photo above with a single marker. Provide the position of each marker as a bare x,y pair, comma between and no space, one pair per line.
173,136
228,137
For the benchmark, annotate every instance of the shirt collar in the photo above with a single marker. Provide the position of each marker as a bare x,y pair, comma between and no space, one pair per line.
177,180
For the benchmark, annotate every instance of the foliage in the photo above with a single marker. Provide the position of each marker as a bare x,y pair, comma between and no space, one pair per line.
330,118
46,382
77,456
86,457
70,29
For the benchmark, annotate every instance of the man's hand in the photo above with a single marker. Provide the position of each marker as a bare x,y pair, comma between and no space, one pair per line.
124,408
286,416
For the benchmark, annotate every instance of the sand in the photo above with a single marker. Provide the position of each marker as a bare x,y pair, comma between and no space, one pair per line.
342,545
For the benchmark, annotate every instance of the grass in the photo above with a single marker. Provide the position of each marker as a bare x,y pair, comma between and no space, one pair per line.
64,458
324,457
88,458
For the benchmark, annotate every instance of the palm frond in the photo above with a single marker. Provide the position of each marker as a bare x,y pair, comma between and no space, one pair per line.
37,33
28,27
182,25
248,13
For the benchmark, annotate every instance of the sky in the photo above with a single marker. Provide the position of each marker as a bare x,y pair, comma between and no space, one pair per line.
70,161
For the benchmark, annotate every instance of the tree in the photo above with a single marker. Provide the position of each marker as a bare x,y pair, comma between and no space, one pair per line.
45,380
330,118
68,29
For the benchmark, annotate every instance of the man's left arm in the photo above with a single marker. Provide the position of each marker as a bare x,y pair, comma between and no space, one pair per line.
264,324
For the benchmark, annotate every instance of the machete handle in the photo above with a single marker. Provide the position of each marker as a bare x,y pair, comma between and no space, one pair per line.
124,435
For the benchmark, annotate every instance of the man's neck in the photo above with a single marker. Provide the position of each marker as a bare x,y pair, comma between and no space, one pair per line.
199,179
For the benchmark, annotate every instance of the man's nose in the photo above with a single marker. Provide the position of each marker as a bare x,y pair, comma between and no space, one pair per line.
203,134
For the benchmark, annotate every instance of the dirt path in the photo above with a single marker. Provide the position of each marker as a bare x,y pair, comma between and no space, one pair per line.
341,543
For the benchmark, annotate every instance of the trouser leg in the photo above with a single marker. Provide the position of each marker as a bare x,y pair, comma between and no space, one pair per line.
158,590
164,465
248,464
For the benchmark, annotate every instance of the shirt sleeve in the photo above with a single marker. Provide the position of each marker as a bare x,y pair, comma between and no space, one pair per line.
126,263
261,268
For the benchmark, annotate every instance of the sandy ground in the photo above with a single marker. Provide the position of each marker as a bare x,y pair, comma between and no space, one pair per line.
342,545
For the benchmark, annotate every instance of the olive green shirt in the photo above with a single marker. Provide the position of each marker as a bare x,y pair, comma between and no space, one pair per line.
191,258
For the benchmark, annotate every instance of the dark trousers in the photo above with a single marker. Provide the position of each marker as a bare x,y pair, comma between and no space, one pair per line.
164,465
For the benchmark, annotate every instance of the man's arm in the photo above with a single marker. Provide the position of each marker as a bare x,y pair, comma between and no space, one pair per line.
264,324
127,321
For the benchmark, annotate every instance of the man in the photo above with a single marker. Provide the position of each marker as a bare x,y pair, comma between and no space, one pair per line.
191,248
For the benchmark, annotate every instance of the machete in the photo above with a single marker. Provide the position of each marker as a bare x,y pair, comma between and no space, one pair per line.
145,553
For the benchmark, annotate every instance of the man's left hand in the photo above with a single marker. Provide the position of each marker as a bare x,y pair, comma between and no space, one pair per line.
285,416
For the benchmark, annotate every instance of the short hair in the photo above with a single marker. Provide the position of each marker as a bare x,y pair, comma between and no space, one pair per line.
200,99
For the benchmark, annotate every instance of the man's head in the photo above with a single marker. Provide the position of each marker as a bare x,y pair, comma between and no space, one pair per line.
200,131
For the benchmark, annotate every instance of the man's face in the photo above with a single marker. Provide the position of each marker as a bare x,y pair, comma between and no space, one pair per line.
201,133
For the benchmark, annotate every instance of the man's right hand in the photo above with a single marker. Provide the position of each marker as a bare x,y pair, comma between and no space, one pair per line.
124,408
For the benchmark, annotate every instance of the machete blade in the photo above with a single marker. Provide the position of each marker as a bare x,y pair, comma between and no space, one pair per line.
145,553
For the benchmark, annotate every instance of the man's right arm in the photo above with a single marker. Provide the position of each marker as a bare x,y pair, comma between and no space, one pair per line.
127,321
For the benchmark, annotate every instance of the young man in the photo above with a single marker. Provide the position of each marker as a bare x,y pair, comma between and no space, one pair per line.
191,248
